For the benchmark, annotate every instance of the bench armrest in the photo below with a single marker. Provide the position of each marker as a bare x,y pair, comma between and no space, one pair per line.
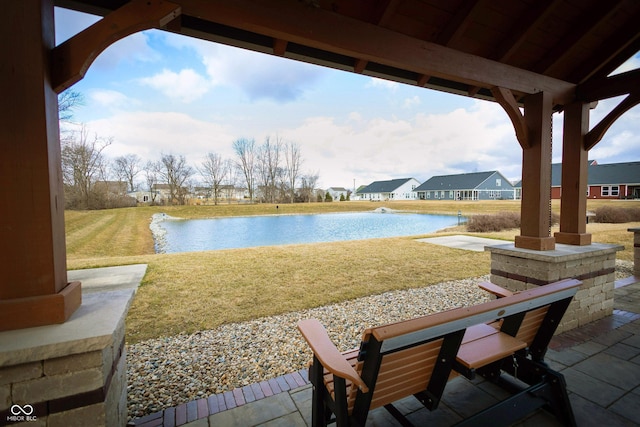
333,361
495,289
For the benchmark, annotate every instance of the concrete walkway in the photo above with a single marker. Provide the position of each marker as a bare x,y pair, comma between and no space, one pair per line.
460,241
600,362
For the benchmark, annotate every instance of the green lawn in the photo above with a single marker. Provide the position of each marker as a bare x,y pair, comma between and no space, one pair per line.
201,290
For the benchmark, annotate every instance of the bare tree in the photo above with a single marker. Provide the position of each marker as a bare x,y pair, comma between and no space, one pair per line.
307,186
294,161
67,102
232,177
269,159
213,172
151,179
175,172
245,149
82,165
127,168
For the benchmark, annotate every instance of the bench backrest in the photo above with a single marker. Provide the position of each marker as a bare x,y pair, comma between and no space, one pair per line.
415,357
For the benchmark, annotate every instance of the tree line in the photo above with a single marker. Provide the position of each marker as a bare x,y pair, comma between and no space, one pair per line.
269,172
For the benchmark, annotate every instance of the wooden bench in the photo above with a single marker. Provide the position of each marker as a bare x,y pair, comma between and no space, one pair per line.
506,337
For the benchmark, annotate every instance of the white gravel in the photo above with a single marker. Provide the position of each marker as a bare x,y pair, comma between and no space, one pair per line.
166,372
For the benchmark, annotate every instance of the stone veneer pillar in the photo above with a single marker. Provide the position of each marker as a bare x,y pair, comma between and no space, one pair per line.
636,250
73,374
518,269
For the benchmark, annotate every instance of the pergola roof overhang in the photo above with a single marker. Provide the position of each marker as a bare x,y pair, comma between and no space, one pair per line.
463,47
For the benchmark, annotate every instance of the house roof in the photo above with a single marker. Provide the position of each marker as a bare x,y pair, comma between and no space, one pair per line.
384,186
458,46
337,189
464,181
607,174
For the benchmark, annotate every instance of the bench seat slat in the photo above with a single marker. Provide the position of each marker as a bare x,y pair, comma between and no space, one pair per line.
491,348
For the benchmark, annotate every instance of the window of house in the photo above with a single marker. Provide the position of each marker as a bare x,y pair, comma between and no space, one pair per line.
610,190
451,194
498,182
428,194
442,194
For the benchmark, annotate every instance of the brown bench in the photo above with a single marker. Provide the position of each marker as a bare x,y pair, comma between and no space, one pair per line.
506,337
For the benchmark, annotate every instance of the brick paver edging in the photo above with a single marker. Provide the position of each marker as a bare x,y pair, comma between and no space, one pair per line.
202,408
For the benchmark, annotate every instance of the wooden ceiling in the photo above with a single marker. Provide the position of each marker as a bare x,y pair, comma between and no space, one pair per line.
467,47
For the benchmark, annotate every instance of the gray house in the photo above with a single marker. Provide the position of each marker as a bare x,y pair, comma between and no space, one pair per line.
490,185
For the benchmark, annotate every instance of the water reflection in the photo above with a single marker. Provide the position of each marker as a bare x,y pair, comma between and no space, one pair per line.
175,235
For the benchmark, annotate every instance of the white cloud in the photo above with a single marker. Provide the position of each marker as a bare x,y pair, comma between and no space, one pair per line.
258,75
111,98
412,102
149,134
381,83
186,85
459,141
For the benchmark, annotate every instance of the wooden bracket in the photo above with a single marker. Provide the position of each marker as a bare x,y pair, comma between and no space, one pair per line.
597,132
71,59
505,98
279,47
360,65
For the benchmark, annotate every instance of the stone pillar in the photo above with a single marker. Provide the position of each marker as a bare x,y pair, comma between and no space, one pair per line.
636,251
72,374
518,269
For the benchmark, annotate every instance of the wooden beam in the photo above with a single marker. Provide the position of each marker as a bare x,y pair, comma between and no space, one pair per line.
458,24
522,28
535,223
505,98
34,290
71,59
573,203
279,47
586,23
595,135
423,80
359,66
608,87
321,29
603,62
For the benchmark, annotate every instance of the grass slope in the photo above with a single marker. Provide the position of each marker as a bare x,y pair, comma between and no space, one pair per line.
201,290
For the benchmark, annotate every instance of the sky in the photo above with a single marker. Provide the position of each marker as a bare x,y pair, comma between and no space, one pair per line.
157,93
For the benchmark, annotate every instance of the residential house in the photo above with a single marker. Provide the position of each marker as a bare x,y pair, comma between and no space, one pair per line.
608,181
394,189
491,185
337,192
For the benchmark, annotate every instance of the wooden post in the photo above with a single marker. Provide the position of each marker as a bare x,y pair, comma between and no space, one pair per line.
573,204
536,175
34,289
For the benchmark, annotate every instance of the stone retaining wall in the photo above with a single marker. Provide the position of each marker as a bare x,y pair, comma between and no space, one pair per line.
519,269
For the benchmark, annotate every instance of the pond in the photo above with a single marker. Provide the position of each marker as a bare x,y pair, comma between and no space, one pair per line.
174,235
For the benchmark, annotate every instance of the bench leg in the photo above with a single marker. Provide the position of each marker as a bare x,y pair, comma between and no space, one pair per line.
547,389
319,410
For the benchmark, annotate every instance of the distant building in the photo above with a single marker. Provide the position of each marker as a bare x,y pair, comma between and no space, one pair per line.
608,181
395,189
336,192
491,185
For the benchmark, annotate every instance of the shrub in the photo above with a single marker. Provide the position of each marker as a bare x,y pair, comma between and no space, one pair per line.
496,222
616,215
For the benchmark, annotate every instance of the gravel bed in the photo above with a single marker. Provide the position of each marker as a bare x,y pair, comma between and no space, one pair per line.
166,372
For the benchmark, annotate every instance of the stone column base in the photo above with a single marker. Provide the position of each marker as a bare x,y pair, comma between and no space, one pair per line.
73,374
518,269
